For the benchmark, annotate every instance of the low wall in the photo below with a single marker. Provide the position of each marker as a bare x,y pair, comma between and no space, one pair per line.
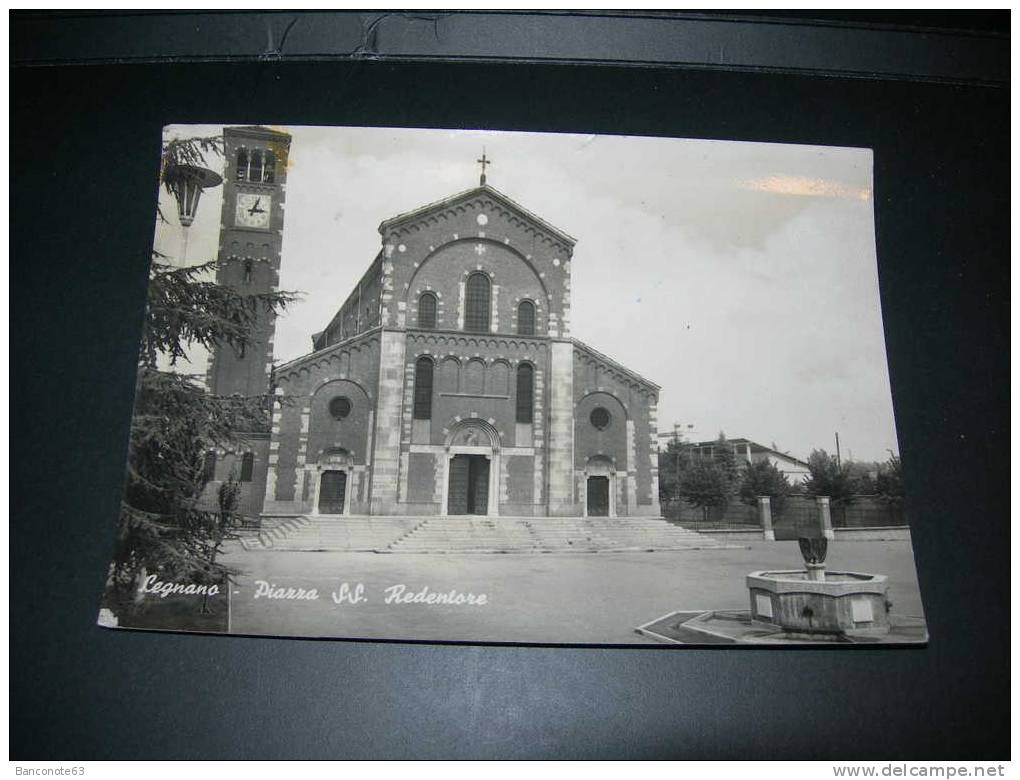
899,533
893,534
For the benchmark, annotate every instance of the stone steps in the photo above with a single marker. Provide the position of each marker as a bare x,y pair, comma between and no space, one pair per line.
467,533
548,534
355,533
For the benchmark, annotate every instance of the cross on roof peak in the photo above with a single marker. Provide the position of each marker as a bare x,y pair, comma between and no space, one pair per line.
483,161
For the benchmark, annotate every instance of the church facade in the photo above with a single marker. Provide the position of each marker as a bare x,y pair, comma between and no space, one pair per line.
448,382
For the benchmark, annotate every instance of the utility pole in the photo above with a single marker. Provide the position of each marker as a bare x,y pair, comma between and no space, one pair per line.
676,462
839,463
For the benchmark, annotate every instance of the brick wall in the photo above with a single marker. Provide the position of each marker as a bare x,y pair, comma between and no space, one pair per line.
302,426
629,441
436,250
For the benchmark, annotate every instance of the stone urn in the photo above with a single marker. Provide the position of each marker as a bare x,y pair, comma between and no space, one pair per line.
820,604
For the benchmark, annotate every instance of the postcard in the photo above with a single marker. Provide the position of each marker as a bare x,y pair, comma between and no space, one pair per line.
504,387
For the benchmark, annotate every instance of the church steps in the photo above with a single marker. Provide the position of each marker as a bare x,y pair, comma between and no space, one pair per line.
478,534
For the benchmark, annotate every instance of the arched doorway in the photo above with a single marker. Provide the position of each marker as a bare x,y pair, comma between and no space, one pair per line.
599,488
332,487
332,492
471,478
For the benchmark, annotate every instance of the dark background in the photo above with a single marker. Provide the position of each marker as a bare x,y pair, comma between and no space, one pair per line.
89,97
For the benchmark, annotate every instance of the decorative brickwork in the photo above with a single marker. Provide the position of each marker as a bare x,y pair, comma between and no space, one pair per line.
412,458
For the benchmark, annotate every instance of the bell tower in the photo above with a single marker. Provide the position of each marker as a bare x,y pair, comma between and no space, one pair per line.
251,233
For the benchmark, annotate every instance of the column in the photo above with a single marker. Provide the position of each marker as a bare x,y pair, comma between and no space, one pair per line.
825,515
386,459
561,429
765,513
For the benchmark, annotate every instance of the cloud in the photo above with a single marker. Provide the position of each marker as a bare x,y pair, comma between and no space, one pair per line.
806,187
750,296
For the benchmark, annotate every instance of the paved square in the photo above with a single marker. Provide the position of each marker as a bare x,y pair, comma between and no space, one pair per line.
539,598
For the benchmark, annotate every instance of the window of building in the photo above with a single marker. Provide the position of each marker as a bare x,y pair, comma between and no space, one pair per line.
339,407
255,165
600,418
247,466
258,165
269,167
526,318
477,303
525,392
209,466
249,269
427,311
474,377
242,164
423,389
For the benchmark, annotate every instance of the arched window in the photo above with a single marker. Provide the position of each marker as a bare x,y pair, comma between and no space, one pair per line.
476,304
247,466
242,164
525,392
423,389
427,311
249,269
269,167
255,167
525,318
474,377
449,375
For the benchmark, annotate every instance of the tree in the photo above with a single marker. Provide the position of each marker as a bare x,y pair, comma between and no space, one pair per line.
864,485
163,527
764,479
672,464
890,481
724,456
706,485
829,478
863,474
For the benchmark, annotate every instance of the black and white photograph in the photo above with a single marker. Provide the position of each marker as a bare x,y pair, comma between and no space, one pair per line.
505,387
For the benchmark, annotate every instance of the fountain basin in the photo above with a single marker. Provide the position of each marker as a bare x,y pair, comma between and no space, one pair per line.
848,603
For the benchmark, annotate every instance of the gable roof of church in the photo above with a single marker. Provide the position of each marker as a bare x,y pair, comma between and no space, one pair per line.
634,376
290,366
439,205
261,130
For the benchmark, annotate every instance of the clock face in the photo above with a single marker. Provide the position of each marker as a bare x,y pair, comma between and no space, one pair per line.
253,209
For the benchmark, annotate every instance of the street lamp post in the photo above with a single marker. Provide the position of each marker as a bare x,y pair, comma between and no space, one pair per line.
186,183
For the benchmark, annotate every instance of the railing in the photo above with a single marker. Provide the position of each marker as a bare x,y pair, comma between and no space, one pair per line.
788,514
736,515
868,512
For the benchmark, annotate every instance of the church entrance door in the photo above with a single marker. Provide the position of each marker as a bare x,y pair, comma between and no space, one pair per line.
469,485
332,492
598,496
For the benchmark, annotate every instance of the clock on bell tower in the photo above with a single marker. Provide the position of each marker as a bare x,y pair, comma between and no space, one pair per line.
251,231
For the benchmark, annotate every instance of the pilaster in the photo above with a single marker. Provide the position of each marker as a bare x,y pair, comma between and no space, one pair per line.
386,458
561,429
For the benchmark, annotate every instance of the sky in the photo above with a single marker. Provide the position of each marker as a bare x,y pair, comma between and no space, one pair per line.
740,277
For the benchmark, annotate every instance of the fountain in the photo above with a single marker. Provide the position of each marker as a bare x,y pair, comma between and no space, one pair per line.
815,604
798,606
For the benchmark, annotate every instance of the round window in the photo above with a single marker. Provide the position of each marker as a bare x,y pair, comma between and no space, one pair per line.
600,418
340,407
